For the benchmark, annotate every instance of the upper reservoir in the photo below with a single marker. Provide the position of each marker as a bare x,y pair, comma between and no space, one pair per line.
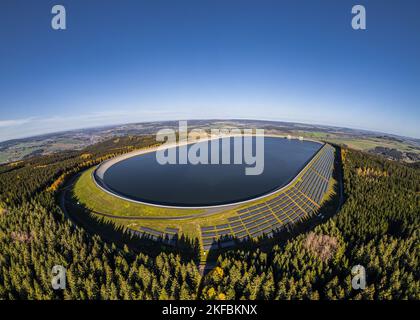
142,178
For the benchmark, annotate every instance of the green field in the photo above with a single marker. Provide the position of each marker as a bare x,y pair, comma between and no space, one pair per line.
362,143
97,200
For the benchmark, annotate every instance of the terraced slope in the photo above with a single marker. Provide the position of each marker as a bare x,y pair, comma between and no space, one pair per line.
300,199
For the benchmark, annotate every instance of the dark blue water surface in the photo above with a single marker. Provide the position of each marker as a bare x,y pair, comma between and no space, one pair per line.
142,178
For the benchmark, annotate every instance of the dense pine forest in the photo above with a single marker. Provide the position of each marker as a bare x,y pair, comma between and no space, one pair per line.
377,227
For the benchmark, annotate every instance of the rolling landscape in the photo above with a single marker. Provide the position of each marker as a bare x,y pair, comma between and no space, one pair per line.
58,188
202,159
391,146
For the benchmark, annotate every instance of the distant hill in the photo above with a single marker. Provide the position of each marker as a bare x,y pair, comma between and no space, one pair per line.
402,148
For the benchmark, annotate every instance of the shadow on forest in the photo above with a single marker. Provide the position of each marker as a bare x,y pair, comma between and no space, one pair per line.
112,232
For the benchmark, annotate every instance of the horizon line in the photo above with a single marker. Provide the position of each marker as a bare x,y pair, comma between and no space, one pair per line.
372,131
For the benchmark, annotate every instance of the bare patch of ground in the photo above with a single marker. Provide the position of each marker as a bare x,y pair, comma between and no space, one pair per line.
371,173
22,236
322,246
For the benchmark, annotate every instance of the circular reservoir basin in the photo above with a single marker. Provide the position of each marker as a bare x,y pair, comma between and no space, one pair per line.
141,178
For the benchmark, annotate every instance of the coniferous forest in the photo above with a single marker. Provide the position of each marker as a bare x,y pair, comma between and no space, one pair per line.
377,227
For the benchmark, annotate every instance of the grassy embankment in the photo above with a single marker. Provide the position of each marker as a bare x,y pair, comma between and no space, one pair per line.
89,195
94,199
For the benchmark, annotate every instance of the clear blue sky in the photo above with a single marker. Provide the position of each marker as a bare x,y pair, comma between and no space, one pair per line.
129,61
